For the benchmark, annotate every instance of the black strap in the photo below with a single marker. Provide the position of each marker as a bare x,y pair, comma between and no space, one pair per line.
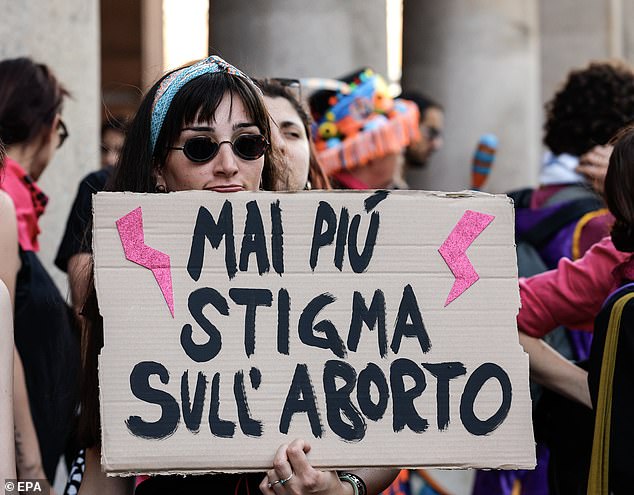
541,233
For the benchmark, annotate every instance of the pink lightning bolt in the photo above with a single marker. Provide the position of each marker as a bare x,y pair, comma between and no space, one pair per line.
454,251
130,229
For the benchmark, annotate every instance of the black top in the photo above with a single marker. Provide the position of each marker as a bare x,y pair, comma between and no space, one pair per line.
220,484
621,474
49,348
78,235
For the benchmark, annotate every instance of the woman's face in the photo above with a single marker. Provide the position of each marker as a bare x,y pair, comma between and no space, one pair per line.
289,137
225,172
47,144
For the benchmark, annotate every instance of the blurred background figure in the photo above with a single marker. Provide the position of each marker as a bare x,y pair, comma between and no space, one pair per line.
112,136
361,133
74,252
31,126
564,217
431,124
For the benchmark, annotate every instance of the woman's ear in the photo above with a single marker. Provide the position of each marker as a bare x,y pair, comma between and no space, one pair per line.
50,133
161,185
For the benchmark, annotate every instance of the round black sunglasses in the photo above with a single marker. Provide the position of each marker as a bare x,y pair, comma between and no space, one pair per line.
202,149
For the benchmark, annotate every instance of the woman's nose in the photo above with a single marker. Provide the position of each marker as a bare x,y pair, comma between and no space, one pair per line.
225,162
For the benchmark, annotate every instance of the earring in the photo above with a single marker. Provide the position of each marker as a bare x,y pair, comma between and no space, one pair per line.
308,186
160,188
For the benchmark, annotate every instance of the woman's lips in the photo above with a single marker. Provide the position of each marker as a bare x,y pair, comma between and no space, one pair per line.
229,188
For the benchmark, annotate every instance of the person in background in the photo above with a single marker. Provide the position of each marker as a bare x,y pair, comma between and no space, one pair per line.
591,105
431,124
112,137
32,129
610,373
291,137
74,252
361,132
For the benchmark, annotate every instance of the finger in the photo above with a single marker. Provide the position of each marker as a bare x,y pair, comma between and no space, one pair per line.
585,171
296,452
281,466
272,482
590,171
604,151
594,159
264,486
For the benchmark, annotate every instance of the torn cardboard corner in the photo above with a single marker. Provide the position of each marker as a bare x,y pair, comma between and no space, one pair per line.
379,327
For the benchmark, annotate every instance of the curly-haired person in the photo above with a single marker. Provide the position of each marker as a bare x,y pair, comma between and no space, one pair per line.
588,109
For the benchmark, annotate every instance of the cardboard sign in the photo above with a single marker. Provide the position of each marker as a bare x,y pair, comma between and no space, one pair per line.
378,326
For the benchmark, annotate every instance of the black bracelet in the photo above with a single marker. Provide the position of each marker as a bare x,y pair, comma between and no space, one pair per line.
357,483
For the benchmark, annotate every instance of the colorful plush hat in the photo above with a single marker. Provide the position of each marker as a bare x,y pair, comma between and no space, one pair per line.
361,122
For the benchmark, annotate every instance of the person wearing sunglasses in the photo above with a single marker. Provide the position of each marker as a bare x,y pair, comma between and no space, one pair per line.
47,358
291,135
201,127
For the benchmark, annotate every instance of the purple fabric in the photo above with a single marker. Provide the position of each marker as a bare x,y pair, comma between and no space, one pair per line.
501,482
559,246
527,218
581,342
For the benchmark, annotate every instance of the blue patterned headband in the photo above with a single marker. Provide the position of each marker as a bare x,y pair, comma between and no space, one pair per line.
173,83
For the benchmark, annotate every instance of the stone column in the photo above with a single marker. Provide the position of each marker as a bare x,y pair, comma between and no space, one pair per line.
286,38
628,30
574,32
480,60
63,34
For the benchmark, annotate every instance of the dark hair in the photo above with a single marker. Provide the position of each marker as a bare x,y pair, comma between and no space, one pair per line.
274,89
423,102
30,97
619,190
135,172
114,123
199,98
593,104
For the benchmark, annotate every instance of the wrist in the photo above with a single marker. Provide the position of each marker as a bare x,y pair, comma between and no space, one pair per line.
346,488
30,469
354,482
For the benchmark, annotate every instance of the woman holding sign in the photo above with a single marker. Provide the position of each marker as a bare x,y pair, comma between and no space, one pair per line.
176,143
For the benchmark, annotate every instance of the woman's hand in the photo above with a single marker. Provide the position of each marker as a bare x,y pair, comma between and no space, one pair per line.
293,474
594,165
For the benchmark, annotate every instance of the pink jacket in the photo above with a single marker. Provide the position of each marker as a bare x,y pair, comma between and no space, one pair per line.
572,294
29,201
